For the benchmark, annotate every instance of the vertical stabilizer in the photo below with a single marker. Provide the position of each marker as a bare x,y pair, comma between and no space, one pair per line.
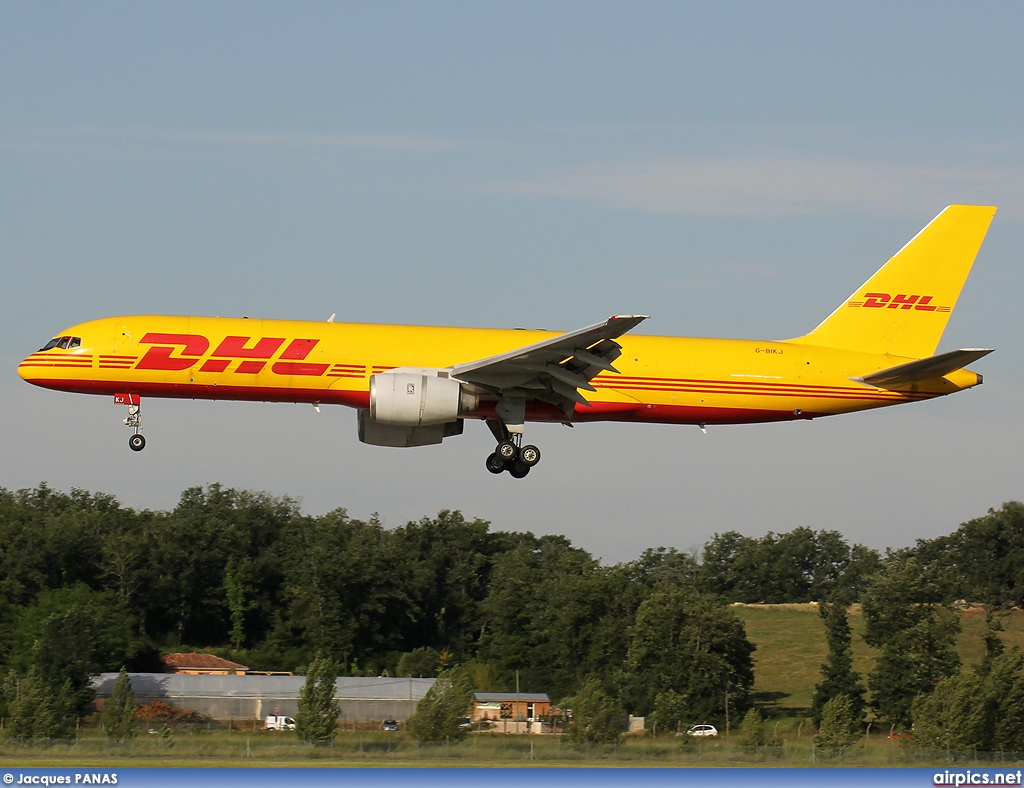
903,309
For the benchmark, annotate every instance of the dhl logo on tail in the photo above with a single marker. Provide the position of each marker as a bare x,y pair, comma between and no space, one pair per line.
899,301
417,385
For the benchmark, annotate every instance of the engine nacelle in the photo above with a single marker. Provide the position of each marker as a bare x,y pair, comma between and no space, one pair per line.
378,434
414,398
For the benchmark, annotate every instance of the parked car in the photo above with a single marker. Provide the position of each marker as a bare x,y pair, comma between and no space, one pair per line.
389,725
702,730
279,723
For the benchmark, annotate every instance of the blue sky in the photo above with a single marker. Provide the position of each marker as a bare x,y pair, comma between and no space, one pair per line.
732,169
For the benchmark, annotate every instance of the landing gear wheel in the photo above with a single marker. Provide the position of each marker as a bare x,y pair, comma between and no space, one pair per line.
529,455
495,464
518,469
507,450
136,442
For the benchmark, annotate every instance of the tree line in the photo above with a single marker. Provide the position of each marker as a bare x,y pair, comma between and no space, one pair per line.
87,585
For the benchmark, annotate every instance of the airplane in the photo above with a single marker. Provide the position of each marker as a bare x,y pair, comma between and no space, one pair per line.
416,385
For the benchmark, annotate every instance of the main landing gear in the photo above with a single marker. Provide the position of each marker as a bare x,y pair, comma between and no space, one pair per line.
136,442
510,455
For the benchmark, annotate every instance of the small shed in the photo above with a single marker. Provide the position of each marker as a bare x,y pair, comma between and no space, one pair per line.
513,706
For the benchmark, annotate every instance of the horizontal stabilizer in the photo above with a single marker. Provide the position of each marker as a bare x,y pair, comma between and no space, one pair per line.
924,369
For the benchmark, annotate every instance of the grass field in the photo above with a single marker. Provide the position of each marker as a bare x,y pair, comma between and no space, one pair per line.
365,749
791,648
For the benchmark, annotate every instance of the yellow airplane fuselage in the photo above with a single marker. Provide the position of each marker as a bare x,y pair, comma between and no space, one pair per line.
416,385
674,380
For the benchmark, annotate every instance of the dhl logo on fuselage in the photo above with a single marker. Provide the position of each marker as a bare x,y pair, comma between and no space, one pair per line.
922,303
178,352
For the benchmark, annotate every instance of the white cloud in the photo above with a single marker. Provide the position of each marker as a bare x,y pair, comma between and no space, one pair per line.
776,186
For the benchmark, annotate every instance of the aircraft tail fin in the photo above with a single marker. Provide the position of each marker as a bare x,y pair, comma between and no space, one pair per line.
903,309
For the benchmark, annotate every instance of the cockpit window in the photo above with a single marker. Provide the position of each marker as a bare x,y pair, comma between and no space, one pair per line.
64,343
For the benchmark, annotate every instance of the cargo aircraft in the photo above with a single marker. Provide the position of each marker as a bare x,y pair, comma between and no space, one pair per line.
415,385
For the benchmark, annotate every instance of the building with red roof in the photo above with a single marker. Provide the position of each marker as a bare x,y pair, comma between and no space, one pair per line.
201,664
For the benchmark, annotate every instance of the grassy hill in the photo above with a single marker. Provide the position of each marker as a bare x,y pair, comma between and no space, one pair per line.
791,647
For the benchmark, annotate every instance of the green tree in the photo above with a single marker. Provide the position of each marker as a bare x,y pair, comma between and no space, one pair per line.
554,614
446,564
690,644
840,724
8,692
236,580
670,710
440,712
994,646
71,634
976,709
596,717
118,715
317,719
343,582
420,662
953,715
799,566
37,712
915,634
982,560
189,552
837,674
1005,692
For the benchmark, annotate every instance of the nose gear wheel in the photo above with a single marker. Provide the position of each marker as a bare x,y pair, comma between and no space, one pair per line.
137,442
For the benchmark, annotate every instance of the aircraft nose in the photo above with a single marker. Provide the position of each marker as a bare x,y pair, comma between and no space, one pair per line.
26,369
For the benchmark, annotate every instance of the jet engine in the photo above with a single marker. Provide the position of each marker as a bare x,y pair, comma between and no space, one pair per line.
416,407
412,398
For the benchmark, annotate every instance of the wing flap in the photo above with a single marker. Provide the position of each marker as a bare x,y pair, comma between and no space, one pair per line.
923,369
553,370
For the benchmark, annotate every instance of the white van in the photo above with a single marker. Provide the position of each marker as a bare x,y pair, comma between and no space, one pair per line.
279,723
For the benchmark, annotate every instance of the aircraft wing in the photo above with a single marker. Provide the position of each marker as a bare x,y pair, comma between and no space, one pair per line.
923,369
553,370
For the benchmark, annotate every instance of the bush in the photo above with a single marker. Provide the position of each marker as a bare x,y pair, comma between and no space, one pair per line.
753,730
840,726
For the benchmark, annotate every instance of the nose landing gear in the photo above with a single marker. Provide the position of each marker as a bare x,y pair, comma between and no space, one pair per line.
136,442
